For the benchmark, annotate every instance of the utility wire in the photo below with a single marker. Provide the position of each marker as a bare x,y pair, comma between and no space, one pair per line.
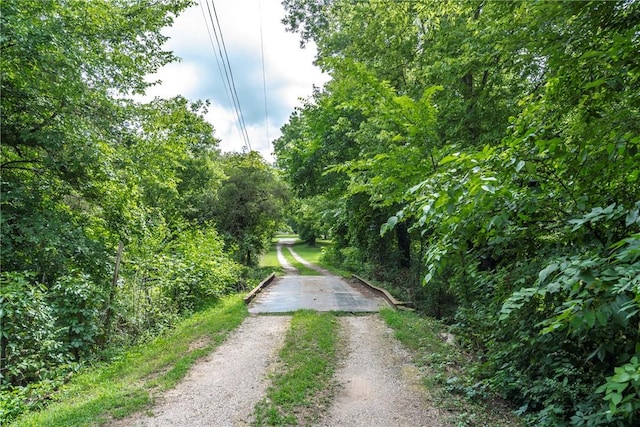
225,74
228,74
264,76
222,76
233,84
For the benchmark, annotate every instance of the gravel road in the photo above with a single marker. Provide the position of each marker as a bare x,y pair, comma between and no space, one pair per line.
222,389
379,384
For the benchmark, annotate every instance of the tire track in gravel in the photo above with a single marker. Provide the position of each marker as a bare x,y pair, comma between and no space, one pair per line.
379,386
222,389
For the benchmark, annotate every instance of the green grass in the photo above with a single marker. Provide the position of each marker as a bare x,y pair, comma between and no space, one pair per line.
445,377
272,257
128,384
313,254
303,270
270,260
302,384
310,253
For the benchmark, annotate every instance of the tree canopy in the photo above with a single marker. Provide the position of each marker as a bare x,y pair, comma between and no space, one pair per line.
485,159
108,219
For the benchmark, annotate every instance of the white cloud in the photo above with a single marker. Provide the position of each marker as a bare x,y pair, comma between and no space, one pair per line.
289,70
175,79
228,132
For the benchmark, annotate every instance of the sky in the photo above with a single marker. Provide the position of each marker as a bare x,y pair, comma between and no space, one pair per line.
289,71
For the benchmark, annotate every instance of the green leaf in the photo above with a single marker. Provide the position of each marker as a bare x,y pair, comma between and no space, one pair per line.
595,83
621,377
449,158
587,277
542,276
384,227
615,398
589,318
631,218
488,187
530,167
602,317
590,54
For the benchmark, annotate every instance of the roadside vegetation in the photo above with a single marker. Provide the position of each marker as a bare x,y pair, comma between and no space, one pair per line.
447,372
131,380
301,385
483,160
119,218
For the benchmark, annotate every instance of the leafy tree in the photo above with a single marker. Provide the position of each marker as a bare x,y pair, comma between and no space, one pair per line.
62,63
526,198
311,218
250,205
84,167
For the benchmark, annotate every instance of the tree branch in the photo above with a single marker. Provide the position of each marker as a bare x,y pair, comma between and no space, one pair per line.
9,164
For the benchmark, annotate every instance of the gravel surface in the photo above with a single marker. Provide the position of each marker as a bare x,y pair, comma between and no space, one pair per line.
222,389
379,386
288,268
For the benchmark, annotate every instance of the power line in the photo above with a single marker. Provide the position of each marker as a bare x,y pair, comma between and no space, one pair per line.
228,73
264,76
226,79
226,90
233,83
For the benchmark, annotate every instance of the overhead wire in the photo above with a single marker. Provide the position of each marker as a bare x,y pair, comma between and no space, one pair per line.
264,74
226,89
228,73
233,83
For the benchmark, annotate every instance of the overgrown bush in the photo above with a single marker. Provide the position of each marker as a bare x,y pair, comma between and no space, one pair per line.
77,305
31,339
496,143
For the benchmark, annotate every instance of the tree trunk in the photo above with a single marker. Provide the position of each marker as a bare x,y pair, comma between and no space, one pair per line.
404,245
112,294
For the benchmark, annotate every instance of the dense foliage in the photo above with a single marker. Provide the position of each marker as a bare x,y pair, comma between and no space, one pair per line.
108,231
250,206
489,151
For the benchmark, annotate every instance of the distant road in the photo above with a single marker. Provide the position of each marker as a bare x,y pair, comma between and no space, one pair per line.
321,293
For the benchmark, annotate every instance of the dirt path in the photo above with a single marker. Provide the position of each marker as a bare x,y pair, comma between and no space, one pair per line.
288,268
378,386
223,389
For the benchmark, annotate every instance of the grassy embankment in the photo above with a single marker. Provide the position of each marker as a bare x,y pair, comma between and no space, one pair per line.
129,383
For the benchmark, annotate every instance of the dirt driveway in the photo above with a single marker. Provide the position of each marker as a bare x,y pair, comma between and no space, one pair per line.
378,385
